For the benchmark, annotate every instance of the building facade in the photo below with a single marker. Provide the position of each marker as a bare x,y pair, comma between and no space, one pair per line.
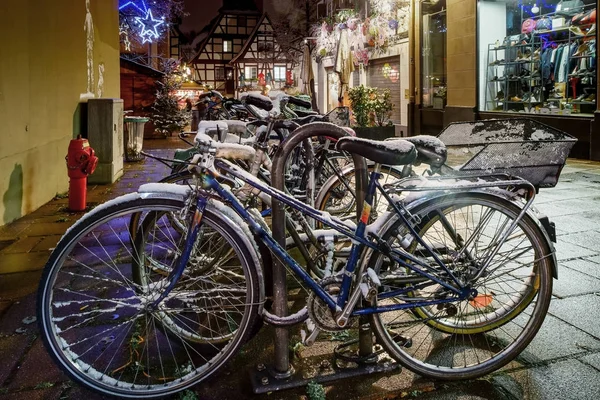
53,58
483,59
384,65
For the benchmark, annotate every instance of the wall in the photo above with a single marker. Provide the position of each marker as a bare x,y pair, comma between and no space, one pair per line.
492,28
461,58
44,83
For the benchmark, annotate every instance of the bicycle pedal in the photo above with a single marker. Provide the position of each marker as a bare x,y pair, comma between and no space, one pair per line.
309,340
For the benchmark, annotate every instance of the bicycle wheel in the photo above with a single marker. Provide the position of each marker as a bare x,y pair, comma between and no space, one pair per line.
337,196
95,317
470,338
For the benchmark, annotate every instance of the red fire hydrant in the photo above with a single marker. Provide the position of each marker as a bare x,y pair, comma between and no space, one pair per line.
81,161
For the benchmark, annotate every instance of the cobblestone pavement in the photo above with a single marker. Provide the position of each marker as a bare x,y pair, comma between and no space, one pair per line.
562,362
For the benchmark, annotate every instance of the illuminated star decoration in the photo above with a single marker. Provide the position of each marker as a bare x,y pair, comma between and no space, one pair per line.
149,26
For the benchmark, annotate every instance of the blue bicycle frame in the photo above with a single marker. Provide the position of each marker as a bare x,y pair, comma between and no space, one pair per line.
210,182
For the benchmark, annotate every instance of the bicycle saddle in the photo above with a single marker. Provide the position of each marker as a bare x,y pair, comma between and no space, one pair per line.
310,118
431,150
392,152
305,113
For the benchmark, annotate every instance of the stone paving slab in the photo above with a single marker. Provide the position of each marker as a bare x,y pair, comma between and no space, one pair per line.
48,243
586,266
12,321
24,245
569,251
580,311
573,223
592,360
77,392
12,349
564,287
37,366
16,286
566,341
21,262
562,380
53,393
4,305
589,239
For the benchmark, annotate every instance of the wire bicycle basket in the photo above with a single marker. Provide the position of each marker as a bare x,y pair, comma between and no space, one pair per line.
518,147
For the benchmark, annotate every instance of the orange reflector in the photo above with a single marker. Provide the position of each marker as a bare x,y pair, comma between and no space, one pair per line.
482,300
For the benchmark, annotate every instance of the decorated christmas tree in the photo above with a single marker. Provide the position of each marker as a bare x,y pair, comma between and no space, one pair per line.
166,114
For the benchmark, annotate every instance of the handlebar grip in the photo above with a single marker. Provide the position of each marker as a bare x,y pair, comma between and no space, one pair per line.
299,102
262,102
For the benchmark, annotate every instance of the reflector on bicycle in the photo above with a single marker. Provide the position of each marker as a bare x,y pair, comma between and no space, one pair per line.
481,301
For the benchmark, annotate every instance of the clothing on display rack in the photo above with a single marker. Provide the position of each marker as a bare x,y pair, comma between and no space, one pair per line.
549,64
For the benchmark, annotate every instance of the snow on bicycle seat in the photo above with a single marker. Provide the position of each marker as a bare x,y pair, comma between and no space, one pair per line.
235,126
393,152
231,151
431,150
214,129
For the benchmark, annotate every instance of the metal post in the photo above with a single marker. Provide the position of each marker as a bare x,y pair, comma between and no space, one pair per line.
281,356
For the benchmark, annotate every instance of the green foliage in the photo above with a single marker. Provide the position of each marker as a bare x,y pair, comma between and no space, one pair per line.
359,99
371,106
166,114
382,106
296,348
315,391
44,385
340,336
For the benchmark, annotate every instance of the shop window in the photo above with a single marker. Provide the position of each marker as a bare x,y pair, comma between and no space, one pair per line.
251,72
279,73
219,73
537,56
433,55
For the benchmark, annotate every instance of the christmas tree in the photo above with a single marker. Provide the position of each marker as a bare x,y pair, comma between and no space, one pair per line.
166,114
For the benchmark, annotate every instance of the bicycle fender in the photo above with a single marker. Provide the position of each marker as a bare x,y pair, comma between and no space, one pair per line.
504,194
169,190
174,191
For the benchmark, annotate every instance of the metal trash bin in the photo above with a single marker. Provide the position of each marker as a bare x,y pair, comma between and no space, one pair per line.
134,137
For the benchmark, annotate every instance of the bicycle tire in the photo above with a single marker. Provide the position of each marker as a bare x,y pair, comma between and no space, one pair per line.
92,315
487,331
337,198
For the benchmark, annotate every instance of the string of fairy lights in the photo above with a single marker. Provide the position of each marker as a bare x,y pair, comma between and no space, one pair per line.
137,17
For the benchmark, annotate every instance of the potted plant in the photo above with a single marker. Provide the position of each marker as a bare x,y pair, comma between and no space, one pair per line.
371,109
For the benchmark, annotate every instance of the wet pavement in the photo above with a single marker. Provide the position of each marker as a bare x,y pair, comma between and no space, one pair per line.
562,362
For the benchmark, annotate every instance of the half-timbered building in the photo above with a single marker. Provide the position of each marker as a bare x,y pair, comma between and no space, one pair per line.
261,61
227,36
240,52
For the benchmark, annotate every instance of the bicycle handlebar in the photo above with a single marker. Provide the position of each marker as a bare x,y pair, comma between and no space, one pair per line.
262,102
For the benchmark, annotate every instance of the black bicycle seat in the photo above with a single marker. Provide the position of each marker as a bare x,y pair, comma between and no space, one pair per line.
392,152
432,151
305,113
310,118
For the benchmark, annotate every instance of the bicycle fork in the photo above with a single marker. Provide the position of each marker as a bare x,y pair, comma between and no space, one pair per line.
184,257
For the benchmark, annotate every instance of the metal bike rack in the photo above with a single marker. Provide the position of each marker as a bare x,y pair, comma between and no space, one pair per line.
281,375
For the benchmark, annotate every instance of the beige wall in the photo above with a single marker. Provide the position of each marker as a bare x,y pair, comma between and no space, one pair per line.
43,73
461,53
